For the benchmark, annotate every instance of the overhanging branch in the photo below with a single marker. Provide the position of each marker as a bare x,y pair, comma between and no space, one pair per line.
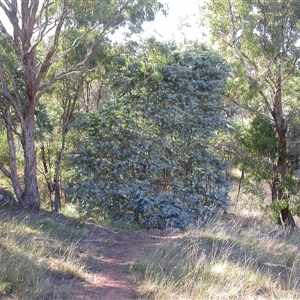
248,107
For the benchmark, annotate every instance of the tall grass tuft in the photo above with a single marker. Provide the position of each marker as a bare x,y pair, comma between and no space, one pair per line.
241,258
33,258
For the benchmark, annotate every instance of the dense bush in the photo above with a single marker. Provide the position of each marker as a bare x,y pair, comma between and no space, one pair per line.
147,157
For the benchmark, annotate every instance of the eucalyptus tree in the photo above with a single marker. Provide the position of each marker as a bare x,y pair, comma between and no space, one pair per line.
32,30
261,40
146,155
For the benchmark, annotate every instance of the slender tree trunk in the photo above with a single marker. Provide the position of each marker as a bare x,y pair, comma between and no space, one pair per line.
48,181
57,199
240,185
12,157
273,186
68,106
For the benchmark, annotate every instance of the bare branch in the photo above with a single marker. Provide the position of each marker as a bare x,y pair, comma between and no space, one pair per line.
70,71
5,171
43,28
47,62
248,107
267,103
5,86
11,12
5,33
6,9
32,18
45,9
15,101
75,43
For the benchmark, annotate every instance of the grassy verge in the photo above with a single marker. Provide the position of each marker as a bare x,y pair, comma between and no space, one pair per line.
240,258
38,258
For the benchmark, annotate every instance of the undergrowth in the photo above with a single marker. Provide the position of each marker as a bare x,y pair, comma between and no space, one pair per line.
237,258
37,251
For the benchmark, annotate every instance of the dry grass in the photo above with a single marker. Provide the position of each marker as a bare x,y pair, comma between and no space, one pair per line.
237,258
37,252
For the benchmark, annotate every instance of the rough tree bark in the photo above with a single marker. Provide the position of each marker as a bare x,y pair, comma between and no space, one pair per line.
31,197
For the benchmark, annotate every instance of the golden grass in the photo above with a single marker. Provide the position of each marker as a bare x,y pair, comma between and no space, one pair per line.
237,258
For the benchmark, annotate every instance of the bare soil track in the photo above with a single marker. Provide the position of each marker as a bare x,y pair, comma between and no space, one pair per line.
106,254
114,251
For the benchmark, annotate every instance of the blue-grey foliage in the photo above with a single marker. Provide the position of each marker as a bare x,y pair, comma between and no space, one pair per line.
147,157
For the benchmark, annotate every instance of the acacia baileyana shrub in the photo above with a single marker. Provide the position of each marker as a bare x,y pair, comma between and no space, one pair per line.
146,157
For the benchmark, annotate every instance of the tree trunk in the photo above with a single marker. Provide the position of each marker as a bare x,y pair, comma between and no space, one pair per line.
31,198
273,186
281,129
286,216
288,220
240,186
57,199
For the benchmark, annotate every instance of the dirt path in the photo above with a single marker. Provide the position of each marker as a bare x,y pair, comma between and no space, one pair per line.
108,255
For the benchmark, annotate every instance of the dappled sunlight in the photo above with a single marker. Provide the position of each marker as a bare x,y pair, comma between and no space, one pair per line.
224,260
220,268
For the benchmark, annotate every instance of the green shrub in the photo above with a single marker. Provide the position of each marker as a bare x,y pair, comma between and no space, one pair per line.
146,157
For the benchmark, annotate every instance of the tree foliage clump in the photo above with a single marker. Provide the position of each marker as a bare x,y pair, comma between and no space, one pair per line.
146,156
260,38
260,138
260,149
